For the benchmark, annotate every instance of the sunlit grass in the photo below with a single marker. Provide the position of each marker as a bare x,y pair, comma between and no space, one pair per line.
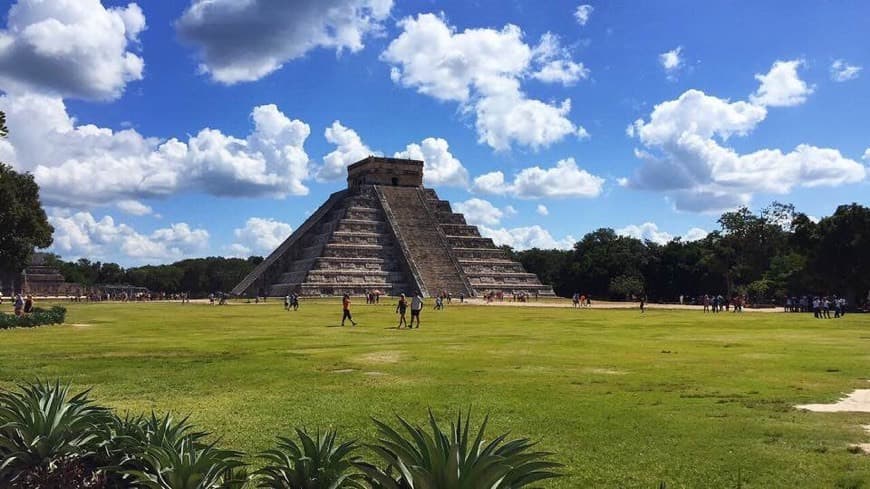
624,399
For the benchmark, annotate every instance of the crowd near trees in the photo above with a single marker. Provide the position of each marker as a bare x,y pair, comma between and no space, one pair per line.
768,255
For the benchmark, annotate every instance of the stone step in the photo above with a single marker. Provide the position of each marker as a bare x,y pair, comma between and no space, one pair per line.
450,218
498,274
460,230
478,253
357,251
362,226
470,242
363,213
340,237
499,267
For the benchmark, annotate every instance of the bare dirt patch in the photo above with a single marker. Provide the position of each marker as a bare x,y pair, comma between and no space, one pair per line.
380,357
344,370
856,402
80,325
605,371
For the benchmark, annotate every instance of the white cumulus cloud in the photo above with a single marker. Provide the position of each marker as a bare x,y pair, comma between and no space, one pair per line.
524,238
695,234
649,231
349,149
260,235
672,61
479,212
482,70
842,71
781,86
542,210
564,180
81,234
583,13
685,156
70,48
86,165
134,208
441,167
241,41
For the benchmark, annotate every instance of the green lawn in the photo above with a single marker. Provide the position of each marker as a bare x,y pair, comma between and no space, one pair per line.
625,400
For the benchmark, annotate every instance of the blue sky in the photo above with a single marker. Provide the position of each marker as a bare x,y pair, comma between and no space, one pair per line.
164,130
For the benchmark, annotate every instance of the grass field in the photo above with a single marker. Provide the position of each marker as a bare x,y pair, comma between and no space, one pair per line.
625,400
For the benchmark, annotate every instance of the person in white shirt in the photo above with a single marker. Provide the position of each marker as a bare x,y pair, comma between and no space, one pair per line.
416,307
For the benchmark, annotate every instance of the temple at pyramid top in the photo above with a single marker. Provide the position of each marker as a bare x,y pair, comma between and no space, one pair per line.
387,233
377,170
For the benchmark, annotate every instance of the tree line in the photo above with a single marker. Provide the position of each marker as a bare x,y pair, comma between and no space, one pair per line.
197,276
769,255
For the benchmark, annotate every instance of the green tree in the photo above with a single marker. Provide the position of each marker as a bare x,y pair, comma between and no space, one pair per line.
23,223
627,286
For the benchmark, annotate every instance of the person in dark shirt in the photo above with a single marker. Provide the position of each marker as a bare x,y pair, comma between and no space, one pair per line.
345,305
401,307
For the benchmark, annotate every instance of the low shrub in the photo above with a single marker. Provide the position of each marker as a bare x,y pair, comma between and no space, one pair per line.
38,317
50,439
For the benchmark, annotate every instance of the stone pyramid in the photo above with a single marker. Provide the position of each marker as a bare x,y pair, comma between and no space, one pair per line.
387,232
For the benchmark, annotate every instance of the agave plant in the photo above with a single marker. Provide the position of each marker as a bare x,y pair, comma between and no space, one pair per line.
124,442
314,463
46,435
188,465
452,460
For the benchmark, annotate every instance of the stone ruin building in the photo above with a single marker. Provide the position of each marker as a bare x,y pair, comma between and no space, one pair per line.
388,233
38,279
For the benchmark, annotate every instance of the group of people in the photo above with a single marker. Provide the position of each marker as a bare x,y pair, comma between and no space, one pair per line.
373,297
416,306
21,304
291,302
579,300
220,298
820,306
718,303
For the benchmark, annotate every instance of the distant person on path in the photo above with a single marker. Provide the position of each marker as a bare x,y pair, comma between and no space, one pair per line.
345,306
642,304
575,299
287,302
401,307
588,300
19,304
294,301
28,304
416,307
439,303
461,297
706,303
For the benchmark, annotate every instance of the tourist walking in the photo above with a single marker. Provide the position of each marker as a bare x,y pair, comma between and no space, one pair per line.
401,307
287,302
28,304
642,304
345,306
416,307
